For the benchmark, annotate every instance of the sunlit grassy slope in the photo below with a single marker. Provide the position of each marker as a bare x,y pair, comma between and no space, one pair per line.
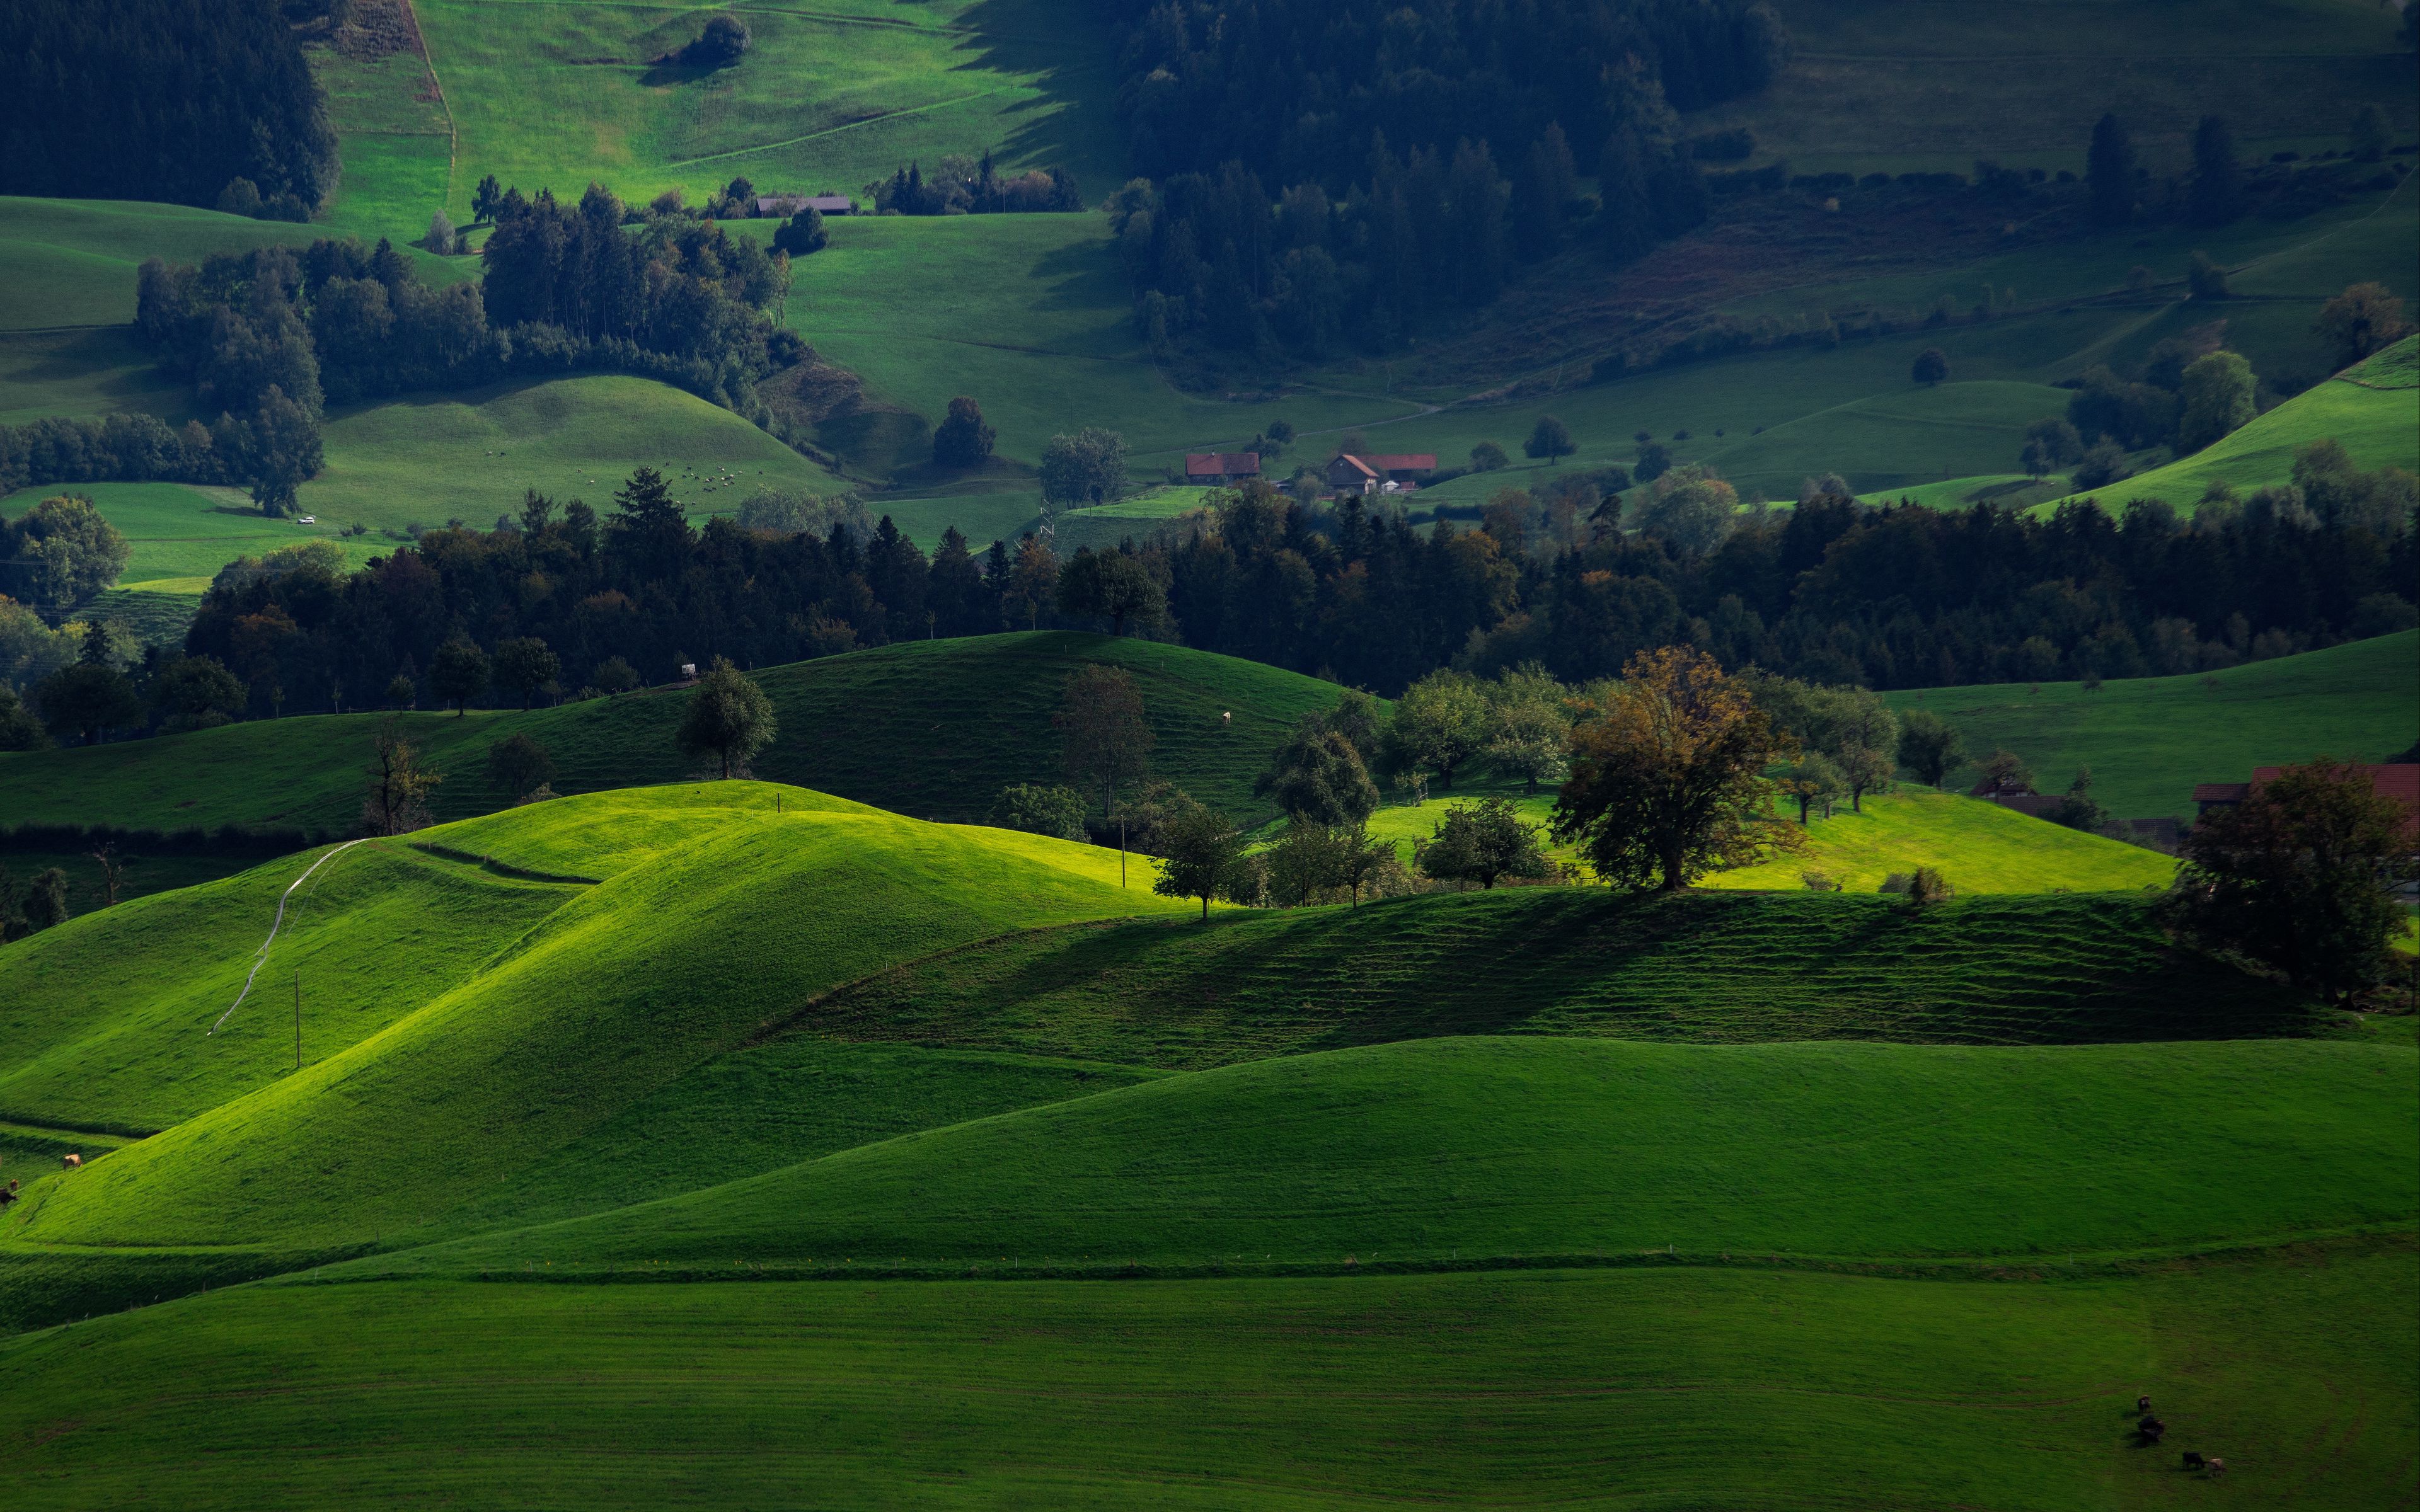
1722,968
2375,416
1984,848
2149,740
610,999
1980,847
1598,1388
933,729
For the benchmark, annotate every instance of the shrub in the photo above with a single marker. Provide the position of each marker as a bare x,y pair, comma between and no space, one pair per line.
1036,810
1487,457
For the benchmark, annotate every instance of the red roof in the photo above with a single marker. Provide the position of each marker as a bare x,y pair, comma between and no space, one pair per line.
2223,792
1222,464
1404,462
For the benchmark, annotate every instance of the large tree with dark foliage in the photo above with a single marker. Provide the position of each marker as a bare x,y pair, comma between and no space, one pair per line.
2109,172
161,100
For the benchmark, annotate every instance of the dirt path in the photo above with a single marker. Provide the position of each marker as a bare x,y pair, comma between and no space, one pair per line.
261,957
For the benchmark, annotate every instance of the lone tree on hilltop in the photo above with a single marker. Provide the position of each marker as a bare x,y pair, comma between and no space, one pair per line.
524,664
1108,739
2300,877
2109,173
1203,854
1481,842
1932,366
962,439
728,716
459,675
397,800
1668,776
1549,439
723,42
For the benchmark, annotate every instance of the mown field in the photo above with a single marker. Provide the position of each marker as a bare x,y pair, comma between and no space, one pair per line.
1740,1144
2149,740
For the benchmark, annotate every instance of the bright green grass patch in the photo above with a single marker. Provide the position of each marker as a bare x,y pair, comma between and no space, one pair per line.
105,1020
560,93
2379,426
427,459
1476,1148
184,534
2150,739
1980,846
619,993
2008,489
2396,368
1531,1389
930,728
1701,967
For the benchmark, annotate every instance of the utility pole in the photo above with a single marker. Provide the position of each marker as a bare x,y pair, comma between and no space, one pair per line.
1122,850
298,1018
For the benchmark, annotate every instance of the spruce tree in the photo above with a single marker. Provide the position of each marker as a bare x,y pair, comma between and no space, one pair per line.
2217,182
2109,172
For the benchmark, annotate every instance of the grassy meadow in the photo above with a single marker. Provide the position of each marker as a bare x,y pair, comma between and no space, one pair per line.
845,1073
929,727
2150,739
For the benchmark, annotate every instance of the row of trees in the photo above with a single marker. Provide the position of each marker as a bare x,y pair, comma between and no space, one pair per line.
960,185
1831,591
162,99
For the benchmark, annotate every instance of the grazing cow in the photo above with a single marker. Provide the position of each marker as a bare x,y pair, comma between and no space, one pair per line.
2142,1404
2215,1466
2193,1460
2152,1429
73,1162
8,1196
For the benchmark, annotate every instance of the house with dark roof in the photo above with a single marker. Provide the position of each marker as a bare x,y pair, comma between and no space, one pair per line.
1220,470
1378,473
2398,781
776,206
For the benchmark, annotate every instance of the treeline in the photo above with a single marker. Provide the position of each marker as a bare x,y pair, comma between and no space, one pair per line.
1422,155
162,99
1301,93
270,336
1831,591
961,185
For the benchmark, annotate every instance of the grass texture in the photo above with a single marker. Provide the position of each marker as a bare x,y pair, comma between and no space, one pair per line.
1577,1389
1980,846
1702,968
931,728
2149,740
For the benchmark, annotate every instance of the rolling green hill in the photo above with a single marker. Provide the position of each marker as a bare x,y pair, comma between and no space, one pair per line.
2377,418
928,728
1519,1150
1718,969
2149,740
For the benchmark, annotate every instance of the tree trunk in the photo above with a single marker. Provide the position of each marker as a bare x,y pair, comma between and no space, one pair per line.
1206,908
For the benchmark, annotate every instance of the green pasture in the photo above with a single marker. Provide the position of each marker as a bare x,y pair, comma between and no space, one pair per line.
145,874
2379,426
1716,967
1476,1149
1571,1388
1887,88
181,534
2149,740
558,95
602,999
929,727
428,458
1980,846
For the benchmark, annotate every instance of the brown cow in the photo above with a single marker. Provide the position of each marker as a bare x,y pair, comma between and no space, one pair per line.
73,1162
2215,1466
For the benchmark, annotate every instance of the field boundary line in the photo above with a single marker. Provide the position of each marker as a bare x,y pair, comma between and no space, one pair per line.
452,127
261,957
830,131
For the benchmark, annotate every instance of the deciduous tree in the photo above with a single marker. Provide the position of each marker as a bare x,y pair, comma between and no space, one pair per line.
1317,776
1440,722
1549,439
1667,775
459,675
728,716
1482,842
962,439
519,764
1200,851
1036,810
2361,320
526,664
1108,741
1930,745
2300,877
397,800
